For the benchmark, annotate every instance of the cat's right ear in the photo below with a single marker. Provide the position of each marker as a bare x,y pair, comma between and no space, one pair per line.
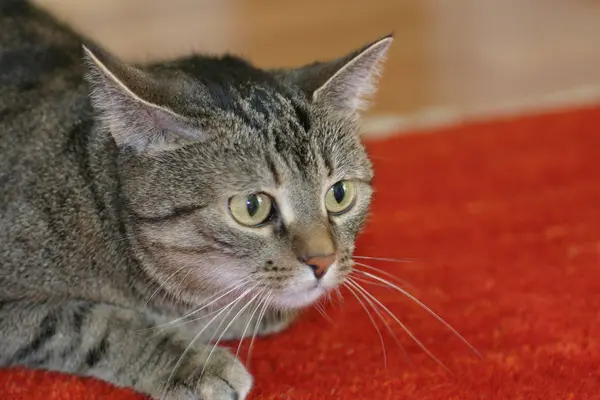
343,85
126,99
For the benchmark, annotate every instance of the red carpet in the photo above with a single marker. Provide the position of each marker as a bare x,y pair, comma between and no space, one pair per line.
504,219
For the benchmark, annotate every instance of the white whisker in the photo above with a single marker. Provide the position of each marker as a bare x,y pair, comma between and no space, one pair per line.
225,329
189,346
159,286
175,324
329,298
429,310
370,282
355,294
258,304
258,322
321,309
405,328
176,290
398,260
196,319
236,286
381,317
384,273
339,295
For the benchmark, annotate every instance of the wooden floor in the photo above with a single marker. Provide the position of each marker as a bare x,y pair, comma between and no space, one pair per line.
459,56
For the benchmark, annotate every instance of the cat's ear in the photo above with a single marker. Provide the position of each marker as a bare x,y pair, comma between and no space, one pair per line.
344,84
126,99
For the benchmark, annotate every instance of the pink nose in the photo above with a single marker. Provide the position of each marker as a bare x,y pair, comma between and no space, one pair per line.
320,264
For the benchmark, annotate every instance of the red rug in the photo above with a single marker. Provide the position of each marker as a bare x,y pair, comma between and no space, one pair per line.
504,221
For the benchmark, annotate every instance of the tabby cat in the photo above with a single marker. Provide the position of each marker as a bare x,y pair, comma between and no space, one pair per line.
147,212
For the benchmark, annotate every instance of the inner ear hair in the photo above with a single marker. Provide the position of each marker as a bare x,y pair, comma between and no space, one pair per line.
121,95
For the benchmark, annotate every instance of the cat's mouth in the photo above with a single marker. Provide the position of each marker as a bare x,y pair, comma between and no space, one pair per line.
303,295
300,298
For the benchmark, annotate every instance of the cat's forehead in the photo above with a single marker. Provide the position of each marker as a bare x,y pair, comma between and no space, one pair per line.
286,158
266,127
228,91
227,81
264,109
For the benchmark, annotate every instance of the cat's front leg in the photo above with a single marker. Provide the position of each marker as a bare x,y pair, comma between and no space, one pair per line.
117,345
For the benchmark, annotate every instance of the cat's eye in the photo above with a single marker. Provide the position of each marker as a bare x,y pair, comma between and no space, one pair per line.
251,210
340,197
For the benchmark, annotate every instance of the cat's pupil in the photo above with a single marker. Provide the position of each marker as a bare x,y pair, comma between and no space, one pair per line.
339,192
252,204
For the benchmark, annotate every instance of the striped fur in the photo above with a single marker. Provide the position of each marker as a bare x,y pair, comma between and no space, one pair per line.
113,205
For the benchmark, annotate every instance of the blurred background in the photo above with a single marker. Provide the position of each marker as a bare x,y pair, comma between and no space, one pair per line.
451,59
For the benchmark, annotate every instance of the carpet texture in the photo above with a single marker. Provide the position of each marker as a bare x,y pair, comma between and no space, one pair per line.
504,221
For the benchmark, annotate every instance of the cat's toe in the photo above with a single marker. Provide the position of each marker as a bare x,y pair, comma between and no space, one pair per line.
224,378
236,375
221,377
215,388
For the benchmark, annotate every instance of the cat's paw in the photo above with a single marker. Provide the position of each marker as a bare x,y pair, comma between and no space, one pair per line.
222,377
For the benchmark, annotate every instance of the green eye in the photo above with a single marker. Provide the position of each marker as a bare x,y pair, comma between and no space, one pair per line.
251,210
340,197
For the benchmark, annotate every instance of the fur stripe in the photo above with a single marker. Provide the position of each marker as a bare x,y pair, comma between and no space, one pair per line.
178,212
46,332
97,353
273,169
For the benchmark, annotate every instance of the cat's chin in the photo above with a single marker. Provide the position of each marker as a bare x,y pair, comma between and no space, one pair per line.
300,299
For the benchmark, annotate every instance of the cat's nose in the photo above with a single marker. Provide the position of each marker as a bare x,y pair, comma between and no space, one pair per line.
320,264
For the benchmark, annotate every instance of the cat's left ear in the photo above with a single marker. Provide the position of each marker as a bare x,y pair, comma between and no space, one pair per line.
132,105
345,84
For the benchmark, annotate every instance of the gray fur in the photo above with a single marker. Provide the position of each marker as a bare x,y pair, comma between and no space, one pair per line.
113,204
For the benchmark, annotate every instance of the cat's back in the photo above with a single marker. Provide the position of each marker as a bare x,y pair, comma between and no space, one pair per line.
42,94
41,82
40,60
45,119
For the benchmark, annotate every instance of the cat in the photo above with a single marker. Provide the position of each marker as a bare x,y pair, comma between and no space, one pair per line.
147,211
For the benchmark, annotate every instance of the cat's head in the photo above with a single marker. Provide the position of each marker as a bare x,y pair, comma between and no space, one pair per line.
240,180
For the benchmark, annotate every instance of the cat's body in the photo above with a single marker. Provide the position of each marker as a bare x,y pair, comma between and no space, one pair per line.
109,219
47,172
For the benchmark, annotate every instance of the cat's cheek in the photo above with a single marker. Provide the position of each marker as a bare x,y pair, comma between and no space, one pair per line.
197,272
331,279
